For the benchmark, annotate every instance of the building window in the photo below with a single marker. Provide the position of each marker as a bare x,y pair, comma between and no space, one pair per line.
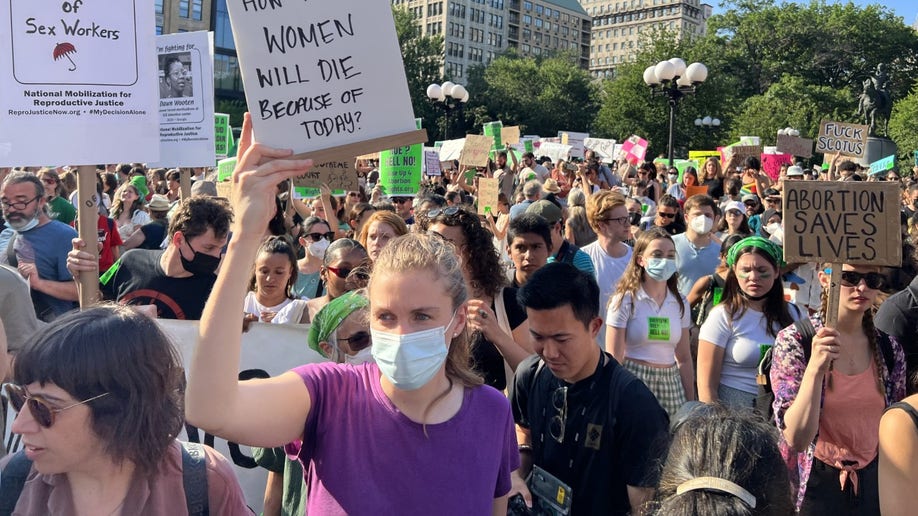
159,30
159,6
184,9
197,9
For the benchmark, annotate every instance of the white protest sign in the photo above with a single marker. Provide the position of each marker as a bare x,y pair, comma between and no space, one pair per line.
604,148
432,162
575,140
555,151
322,74
451,149
186,99
78,83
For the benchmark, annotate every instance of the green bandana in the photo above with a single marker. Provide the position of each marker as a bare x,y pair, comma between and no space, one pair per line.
140,183
764,244
332,315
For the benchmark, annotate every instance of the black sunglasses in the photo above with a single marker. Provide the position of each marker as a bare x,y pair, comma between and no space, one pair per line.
559,420
874,280
42,411
357,341
452,210
401,200
666,215
315,237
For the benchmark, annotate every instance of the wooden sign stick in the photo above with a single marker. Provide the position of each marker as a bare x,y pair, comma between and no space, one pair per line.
185,181
832,303
87,226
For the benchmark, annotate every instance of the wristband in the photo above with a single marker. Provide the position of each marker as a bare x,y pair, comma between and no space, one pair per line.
525,448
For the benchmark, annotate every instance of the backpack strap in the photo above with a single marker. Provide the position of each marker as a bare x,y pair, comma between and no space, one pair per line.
807,331
11,259
12,480
194,479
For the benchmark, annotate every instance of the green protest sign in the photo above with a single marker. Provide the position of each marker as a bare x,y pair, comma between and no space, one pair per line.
527,144
305,192
400,170
225,169
222,134
493,129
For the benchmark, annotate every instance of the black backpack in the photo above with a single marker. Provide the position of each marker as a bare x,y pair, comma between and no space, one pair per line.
764,402
194,480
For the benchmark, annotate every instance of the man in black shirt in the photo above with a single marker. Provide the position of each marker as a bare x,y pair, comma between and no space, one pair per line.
581,416
176,280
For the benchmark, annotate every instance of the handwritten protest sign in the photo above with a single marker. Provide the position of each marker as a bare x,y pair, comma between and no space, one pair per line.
575,140
222,134
849,139
735,155
842,222
338,175
400,170
323,75
880,166
186,100
77,83
603,148
771,164
475,151
493,130
510,135
795,145
635,148
432,162
451,149
555,151
225,169
488,190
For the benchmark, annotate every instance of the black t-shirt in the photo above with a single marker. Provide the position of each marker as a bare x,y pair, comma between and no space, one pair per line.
486,358
154,233
602,453
898,316
138,279
715,187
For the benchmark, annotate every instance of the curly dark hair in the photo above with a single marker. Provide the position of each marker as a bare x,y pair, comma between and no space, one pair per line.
480,255
195,214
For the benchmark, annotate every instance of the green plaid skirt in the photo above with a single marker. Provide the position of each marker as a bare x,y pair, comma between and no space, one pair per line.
664,382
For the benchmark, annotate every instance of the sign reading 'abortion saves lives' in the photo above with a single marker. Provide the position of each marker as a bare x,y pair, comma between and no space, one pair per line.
322,73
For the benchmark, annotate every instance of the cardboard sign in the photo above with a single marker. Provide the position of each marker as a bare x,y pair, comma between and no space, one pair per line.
635,148
475,150
186,100
451,149
78,83
432,163
795,145
735,155
222,134
882,165
849,139
510,135
771,164
323,74
603,148
842,222
338,175
488,190
695,190
575,140
400,170
555,151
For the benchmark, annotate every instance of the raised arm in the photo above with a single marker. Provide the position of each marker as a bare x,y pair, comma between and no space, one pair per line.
215,400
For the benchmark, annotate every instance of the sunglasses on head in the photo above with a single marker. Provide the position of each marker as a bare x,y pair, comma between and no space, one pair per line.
873,280
666,215
315,237
357,341
452,210
42,411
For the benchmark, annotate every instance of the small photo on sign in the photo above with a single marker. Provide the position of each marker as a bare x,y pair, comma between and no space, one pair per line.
175,76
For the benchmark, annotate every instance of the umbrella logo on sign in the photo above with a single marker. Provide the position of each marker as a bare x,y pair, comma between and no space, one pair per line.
64,50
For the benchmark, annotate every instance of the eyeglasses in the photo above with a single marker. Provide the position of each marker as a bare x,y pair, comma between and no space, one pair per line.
6,203
666,215
873,280
559,420
315,237
452,210
41,410
620,220
357,341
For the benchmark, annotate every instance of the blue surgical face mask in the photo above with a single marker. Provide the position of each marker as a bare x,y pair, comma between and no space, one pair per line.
660,269
410,360
25,227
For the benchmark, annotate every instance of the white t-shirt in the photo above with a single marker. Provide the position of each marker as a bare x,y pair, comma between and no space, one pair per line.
744,340
252,306
609,271
651,331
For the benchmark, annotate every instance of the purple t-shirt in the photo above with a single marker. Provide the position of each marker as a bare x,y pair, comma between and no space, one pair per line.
363,456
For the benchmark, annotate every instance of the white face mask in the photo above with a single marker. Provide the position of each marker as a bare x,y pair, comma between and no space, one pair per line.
660,269
410,360
701,225
24,227
364,356
317,249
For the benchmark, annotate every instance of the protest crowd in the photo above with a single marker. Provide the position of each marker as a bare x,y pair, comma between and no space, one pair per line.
593,344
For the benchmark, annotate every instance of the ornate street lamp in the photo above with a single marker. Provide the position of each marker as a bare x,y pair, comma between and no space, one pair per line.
449,97
674,80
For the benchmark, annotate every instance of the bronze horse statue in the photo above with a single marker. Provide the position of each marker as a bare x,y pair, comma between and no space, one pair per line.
876,105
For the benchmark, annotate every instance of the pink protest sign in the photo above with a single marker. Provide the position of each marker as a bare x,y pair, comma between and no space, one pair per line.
771,164
634,148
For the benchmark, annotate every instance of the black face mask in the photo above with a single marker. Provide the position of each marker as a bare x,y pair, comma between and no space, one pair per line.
634,218
201,264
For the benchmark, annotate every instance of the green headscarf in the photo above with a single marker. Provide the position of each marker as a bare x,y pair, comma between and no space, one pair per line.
140,183
332,315
764,244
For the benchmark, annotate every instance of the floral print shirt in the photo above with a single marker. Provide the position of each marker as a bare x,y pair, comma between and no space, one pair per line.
788,366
